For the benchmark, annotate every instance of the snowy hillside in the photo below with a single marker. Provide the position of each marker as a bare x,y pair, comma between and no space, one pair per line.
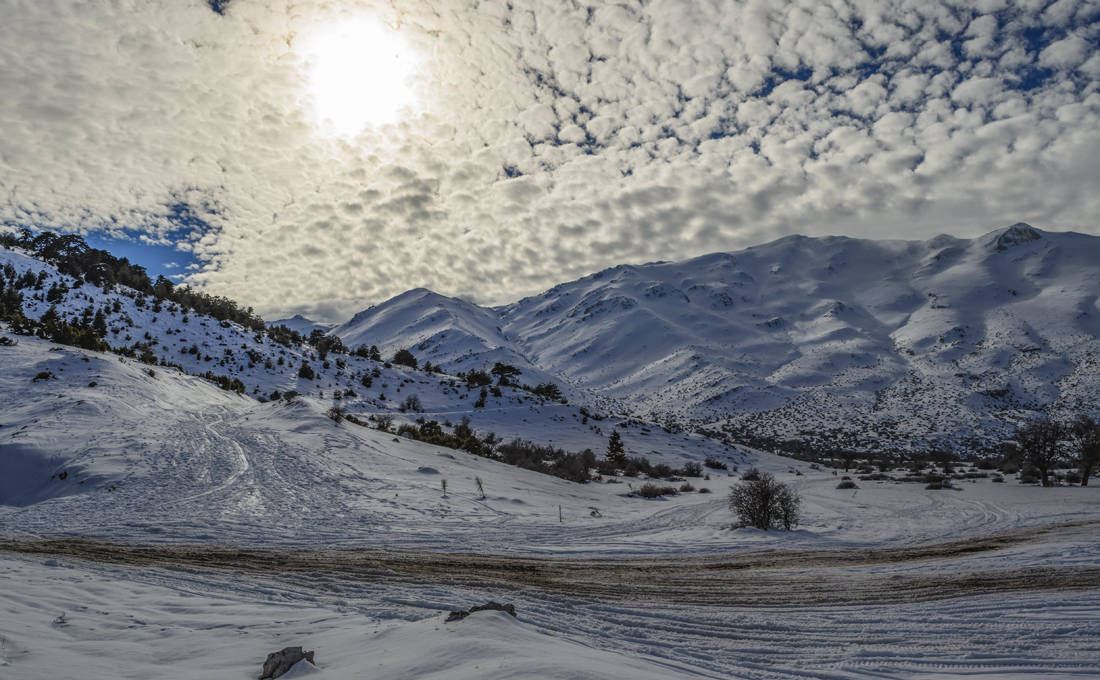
817,342
268,365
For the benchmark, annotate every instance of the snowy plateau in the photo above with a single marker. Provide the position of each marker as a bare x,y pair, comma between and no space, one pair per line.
158,523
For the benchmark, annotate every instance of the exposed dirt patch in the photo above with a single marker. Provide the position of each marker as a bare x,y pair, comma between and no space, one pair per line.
758,578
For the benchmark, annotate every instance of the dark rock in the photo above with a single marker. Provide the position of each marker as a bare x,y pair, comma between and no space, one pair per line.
280,662
489,606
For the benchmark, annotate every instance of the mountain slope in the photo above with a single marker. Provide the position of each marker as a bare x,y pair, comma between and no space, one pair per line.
822,342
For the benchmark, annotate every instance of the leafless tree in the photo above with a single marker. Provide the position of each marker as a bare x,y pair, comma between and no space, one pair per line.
1084,438
764,502
1041,445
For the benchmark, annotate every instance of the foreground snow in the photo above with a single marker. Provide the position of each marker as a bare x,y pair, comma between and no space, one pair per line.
126,623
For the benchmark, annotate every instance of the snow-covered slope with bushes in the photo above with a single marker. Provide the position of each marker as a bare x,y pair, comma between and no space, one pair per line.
820,342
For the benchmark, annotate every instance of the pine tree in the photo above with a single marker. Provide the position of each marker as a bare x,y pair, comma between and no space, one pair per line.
616,452
306,371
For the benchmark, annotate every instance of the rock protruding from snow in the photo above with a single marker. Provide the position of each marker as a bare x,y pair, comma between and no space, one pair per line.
281,661
488,606
1017,234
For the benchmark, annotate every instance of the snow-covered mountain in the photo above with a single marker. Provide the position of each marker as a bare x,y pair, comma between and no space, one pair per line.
827,342
301,324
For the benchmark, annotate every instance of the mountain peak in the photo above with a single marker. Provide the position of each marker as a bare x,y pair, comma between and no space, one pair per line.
1015,235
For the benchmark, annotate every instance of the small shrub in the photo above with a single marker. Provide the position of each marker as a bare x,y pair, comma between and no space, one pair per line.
715,464
704,489
939,484
998,479
651,490
751,475
606,467
43,375
847,484
1029,477
686,487
691,470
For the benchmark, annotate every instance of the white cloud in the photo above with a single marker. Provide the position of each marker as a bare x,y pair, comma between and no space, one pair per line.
554,138
1065,53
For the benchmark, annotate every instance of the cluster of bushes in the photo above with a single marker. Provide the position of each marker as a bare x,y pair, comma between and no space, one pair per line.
575,467
225,382
634,466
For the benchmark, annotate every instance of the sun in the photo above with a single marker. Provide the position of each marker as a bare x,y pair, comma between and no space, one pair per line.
359,74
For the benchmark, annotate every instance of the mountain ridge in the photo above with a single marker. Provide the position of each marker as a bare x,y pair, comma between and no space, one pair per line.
988,330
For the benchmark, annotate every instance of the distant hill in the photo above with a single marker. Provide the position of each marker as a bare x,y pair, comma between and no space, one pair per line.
301,325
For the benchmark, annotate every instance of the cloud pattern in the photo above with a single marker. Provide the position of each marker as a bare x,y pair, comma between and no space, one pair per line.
554,137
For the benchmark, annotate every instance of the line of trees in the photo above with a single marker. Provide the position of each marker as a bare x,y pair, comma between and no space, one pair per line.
1046,444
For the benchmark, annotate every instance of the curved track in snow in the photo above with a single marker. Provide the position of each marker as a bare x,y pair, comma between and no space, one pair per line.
814,577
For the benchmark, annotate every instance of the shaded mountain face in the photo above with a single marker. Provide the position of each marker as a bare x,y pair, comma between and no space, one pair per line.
821,342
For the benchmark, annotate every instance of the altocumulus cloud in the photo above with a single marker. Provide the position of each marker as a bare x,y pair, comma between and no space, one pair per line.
553,137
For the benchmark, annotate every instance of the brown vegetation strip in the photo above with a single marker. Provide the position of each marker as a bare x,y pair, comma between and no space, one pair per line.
756,578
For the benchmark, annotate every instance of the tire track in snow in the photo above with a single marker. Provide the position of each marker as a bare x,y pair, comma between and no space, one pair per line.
769,578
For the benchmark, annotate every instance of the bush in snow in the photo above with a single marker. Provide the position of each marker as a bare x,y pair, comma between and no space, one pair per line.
691,470
404,357
411,403
651,490
751,475
765,503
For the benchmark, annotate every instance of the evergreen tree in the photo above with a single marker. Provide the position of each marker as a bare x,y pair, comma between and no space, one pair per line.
306,371
404,357
616,452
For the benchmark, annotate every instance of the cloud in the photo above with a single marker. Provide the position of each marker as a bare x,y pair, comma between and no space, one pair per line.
552,138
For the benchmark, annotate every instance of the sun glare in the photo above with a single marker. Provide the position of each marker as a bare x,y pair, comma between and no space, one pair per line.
359,74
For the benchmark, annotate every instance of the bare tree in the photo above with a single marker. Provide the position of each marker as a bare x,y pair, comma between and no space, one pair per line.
765,503
1041,445
1084,437
384,421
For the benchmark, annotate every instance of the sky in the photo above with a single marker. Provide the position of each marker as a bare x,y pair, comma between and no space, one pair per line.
322,156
